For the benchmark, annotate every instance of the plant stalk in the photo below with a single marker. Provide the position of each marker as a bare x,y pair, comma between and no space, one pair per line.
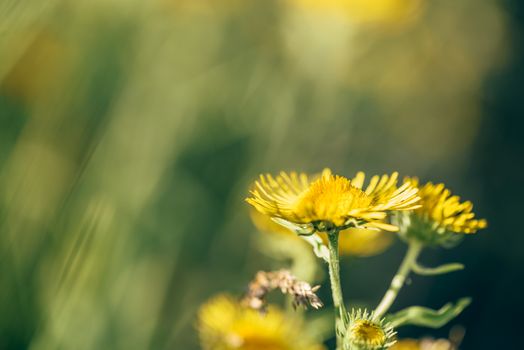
414,249
341,321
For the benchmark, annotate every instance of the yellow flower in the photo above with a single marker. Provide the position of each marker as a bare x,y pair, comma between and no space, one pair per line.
331,200
226,325
369,332
445,210
440,217
364,333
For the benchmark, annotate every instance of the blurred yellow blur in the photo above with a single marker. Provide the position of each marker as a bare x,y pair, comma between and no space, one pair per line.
364,11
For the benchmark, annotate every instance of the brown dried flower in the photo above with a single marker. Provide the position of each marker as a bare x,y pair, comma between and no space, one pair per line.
302,292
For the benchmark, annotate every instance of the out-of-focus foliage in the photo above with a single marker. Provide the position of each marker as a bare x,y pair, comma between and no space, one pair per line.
130,130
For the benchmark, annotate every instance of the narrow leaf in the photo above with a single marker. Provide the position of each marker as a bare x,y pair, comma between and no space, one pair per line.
425,317
431,271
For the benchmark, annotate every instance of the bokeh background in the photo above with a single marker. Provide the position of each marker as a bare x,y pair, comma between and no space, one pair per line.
130,132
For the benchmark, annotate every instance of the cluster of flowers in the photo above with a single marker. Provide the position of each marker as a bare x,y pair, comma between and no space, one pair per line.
329,212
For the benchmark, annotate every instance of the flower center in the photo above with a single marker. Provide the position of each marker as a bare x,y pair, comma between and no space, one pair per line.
367,332
331,198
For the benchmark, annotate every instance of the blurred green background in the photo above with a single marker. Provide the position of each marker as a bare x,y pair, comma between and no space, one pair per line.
131,130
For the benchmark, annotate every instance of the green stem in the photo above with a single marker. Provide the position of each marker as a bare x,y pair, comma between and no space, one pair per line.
398,281
341,321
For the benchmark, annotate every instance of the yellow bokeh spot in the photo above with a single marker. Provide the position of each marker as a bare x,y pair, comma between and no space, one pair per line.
365,11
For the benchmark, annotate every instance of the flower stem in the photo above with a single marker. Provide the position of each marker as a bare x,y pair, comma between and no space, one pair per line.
341,321
414,249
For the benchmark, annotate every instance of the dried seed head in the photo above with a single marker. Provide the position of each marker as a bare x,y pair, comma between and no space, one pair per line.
302,292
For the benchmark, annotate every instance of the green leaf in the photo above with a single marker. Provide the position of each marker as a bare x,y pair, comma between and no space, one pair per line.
425,317
431,271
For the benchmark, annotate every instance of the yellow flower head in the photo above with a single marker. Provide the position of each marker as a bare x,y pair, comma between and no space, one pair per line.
332,200
438,205
369,332
364,333
440,217
226,325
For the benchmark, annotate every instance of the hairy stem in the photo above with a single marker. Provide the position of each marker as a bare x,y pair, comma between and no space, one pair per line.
341,321
398,281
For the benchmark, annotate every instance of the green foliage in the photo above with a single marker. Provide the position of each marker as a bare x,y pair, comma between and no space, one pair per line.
439,270
425,317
